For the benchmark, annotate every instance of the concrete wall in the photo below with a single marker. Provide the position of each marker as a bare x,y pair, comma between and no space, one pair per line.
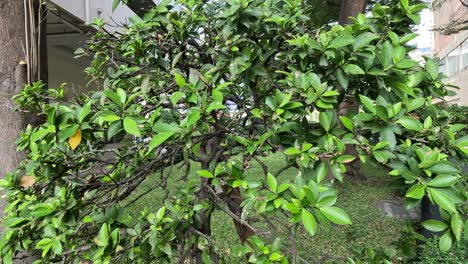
63,68
445,12
460,80
89,10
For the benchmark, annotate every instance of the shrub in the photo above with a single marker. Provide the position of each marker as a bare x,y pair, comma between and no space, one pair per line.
222,83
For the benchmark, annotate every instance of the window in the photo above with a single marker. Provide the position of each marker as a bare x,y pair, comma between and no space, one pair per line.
453,62
443,66
464,54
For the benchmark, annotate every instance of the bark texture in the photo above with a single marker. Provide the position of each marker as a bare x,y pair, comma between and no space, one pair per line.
12,78
350,8
14,74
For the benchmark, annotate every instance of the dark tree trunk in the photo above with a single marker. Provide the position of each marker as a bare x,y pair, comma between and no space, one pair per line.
14,74
350,8
234,201
12,78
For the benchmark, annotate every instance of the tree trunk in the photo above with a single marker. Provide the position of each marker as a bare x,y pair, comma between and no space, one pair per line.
12,78
351,8
16,37
234,201
14,72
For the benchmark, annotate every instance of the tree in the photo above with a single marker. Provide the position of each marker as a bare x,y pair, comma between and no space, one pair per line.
218,85
350,8
16,70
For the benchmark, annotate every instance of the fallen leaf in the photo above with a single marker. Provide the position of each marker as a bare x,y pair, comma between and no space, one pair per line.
75,140
27,181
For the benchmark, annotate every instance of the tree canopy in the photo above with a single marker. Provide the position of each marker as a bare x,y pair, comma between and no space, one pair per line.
221,84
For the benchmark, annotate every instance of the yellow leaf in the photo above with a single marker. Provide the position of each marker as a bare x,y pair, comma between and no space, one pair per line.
75,140
27,181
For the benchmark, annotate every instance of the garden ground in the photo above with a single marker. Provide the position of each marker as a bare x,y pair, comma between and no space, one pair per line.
371,228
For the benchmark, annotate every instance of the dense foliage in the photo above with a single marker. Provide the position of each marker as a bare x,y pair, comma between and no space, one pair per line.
222,83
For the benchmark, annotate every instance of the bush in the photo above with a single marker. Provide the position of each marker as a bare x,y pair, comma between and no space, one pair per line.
221,84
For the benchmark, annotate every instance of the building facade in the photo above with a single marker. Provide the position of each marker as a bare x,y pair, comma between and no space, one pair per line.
451,44
68,28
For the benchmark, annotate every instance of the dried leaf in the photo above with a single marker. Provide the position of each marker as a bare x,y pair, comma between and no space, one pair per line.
75,140
27,181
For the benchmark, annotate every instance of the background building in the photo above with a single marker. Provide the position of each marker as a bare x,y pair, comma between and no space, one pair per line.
451,43
68,28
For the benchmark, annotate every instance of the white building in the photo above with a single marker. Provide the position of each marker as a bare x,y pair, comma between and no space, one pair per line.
67,29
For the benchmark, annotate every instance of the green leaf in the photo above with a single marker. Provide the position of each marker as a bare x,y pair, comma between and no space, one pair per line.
175,97
84,111
43,210
180,81
102,240
115,4
292,151
353,69
386,54
322,169
215,106
217,95
443,200
465,228
444,169
205,173
398,54
405,4
272,183
427,122
457,225
113,97
57,247
432,68
345,158
14,221
342,78
275,256
386,133
416,191
410,123
326,119
415,104
434,225
341,41
308,221
368,103
131,126
443,180
445,242
380,156
363,40
348,123
122,95
381,112
160,213
336,215
158,139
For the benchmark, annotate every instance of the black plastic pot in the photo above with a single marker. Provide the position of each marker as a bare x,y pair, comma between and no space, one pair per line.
429,211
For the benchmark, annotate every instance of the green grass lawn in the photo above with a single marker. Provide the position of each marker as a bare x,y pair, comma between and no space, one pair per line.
358,197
